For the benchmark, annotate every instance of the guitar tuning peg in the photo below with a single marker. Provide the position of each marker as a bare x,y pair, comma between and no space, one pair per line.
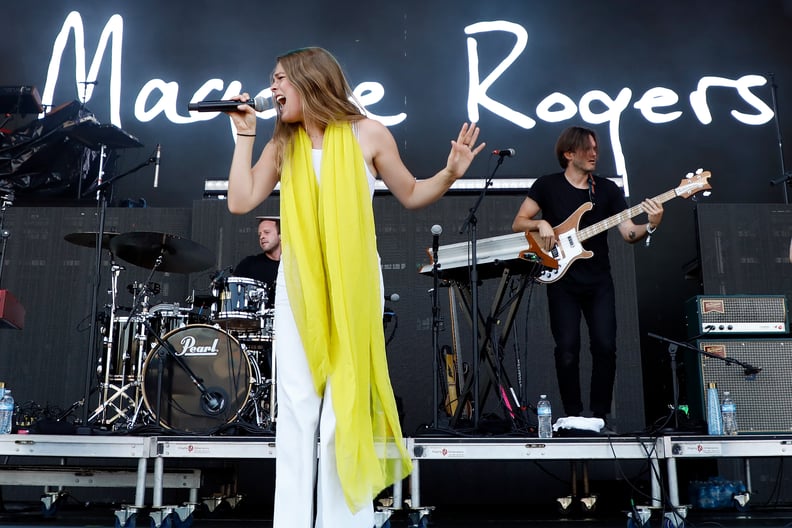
707,194
699,170
689,175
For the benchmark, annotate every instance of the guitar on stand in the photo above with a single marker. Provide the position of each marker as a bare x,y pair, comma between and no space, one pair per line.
515,258
569,247
455,371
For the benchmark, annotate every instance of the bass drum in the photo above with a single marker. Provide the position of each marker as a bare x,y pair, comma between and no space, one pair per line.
205,353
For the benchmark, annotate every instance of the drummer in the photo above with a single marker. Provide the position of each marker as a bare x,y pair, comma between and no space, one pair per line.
263,267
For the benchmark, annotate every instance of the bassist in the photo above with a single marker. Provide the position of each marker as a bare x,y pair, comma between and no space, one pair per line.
587,287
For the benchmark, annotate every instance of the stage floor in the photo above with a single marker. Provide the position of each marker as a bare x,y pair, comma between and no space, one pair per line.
154,458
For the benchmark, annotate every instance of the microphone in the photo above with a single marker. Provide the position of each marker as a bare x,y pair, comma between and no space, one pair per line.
213,402
437,230
393,297
220,274
509,152
156,165
260,103
750,372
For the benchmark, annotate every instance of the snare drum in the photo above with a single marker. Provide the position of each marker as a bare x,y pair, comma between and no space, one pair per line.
214,357
240,301
166,318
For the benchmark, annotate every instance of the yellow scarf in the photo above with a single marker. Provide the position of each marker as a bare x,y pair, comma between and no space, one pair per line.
333,281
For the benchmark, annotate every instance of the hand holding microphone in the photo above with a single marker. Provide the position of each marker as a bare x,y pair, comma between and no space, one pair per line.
259,104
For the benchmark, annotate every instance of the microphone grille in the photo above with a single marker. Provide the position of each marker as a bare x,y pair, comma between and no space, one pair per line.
261,103
437,229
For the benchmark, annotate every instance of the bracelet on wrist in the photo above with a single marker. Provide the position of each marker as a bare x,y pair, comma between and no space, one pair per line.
246,135
649,231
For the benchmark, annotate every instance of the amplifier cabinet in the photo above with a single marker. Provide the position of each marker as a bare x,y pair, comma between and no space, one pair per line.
764,400
719,315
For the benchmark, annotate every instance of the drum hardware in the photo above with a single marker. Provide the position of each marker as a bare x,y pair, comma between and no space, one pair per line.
213,383
262,336
123,399
125,347
151,288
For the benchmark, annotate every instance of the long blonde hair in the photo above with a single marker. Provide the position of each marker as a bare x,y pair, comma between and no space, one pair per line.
325,93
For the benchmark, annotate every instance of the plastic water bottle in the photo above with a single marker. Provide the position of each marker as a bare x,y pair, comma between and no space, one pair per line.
6,412
545,413
729,414
714,417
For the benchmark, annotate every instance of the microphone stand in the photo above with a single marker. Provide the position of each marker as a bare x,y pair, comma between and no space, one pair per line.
103,188
435,338
673,346
470,225
786,177
101,198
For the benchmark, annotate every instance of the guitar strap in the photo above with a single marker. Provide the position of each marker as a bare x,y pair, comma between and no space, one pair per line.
591,188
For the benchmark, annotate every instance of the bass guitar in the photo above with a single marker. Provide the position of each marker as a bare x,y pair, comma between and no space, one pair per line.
569,238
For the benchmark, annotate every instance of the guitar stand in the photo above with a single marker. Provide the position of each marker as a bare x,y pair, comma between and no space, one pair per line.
491,344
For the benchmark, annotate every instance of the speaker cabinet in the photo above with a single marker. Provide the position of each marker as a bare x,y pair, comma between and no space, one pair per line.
763,400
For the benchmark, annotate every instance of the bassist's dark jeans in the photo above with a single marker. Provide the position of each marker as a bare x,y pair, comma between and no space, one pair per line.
597,303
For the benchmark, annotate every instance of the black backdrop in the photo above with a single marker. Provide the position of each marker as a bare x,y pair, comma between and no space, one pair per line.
582,53
418,52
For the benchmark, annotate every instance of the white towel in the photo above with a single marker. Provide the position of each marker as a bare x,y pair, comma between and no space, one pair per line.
579,422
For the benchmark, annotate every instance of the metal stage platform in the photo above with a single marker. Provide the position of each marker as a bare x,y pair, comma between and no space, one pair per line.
27,457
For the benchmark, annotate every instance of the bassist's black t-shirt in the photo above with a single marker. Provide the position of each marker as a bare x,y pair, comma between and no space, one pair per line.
558,200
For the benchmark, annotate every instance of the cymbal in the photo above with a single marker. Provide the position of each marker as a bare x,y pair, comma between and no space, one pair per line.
179,255
89,239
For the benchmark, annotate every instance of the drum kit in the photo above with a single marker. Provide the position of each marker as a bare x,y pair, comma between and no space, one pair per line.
196,369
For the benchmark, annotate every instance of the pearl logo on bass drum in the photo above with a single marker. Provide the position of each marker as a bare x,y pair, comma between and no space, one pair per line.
189,347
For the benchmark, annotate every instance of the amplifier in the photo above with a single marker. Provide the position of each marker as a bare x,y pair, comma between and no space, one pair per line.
763,400
719,315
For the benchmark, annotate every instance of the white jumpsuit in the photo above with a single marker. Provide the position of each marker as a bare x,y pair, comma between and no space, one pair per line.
301,414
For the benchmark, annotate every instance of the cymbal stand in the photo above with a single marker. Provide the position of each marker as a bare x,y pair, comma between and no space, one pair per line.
470,225
128,393
109,339
5,201
121,410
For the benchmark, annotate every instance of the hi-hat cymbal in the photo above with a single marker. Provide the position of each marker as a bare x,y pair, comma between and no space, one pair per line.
179,255
89,239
